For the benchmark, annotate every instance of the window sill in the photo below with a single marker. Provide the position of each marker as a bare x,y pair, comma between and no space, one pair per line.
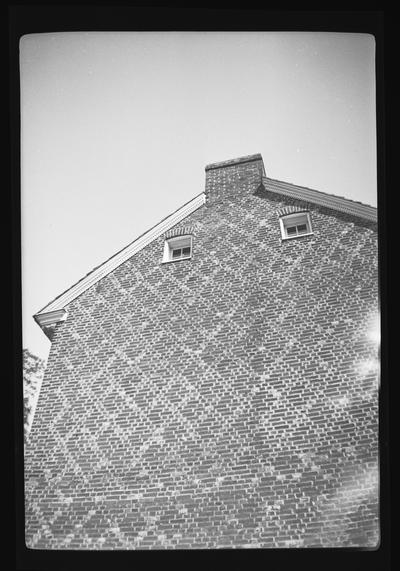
297,236
175,261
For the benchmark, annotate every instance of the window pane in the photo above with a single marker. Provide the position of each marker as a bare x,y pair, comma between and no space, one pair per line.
186,251
291,230
302,228
176,253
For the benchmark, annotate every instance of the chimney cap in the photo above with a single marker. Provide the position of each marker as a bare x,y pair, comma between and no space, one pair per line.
231,162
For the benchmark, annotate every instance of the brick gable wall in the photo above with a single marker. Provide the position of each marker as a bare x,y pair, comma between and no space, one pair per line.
226,401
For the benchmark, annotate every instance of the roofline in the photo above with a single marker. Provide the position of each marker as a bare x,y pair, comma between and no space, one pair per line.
52,309
331,201
122,256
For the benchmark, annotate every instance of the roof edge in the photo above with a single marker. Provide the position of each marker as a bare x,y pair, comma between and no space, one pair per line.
338,203
47,321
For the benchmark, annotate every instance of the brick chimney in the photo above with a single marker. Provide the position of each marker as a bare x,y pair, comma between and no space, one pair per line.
242,175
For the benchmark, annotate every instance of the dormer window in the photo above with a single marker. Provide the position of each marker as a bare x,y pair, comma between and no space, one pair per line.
295,225
179,248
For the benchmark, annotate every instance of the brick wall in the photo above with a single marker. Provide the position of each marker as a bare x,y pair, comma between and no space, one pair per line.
226,401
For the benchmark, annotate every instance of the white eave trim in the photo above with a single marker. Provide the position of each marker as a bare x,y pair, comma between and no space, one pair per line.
121,257
51,318
47,321
316,197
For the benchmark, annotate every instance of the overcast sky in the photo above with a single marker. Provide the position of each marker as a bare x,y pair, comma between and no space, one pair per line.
117,129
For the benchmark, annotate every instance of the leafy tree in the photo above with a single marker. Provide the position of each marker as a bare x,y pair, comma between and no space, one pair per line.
33,370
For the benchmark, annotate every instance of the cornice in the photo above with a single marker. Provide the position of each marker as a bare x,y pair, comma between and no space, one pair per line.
309,195
48,321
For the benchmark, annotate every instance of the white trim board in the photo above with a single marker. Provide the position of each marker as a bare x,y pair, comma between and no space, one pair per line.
321,198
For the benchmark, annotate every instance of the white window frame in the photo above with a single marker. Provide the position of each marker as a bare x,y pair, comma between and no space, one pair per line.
297,218
178,242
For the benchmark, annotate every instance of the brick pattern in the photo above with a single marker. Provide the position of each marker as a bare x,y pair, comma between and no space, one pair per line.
230,400
292,209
